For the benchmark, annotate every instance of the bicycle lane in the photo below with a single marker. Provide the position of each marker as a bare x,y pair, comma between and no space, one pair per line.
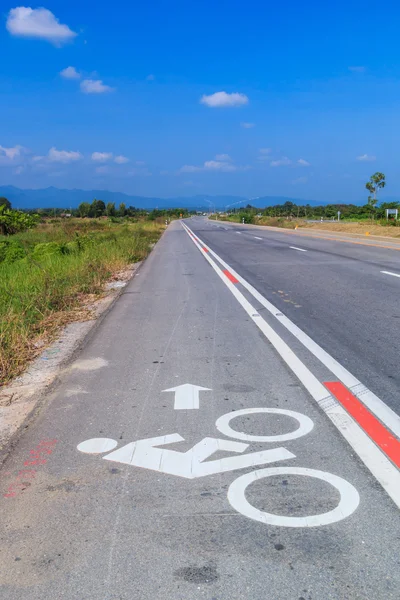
165,525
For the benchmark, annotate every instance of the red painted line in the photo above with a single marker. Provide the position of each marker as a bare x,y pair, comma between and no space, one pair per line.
379,434
205,249
230,276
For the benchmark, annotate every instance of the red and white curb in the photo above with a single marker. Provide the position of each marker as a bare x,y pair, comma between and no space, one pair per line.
362,418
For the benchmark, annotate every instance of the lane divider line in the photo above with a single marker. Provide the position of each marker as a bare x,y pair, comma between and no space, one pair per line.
389,273
321,237
376,431
257,238
299,249
367,397
230,276
374,459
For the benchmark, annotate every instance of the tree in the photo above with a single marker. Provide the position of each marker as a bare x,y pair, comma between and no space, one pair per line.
375,183
84,209
110,209
14,221
5,202
97,208
122,209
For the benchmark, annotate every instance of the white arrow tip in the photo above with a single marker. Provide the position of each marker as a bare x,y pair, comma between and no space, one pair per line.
188,386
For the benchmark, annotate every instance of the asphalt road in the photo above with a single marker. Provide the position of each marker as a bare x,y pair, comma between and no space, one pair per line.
289,501
335,291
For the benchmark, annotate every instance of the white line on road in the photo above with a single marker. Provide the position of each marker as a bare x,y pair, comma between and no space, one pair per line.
299,249
257,238
239,232
375,460
389,273
366,396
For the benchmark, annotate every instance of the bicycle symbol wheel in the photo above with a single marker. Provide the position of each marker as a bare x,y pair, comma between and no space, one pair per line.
349,498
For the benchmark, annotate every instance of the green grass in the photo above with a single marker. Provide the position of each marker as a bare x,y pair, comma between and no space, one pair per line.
56,266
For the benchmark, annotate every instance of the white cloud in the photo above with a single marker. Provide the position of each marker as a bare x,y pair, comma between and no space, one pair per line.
223,99
300,180
141,171
218,165
357,69
366,158
223,157
38,23
121,160
101,156
70,73
264,154
95,86
150,77
282,162
190,169
11,153
303,163
247,125
63,156
222,166
102,170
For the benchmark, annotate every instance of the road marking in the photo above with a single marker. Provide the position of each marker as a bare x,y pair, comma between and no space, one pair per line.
299,249
380,435
376,461
349,498
371,400
239,232
190,464
305,425
36,458
389,273
230,276
257,238
187,396
97,446
320,237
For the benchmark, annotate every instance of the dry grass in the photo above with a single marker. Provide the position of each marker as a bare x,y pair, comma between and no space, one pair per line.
41,293
358,228
350,227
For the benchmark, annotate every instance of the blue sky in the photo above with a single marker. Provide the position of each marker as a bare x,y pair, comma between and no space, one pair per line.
178,98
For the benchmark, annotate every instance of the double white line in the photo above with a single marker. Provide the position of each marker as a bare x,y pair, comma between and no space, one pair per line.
377,462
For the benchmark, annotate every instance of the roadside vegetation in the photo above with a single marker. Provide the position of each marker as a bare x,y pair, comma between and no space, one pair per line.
49,269
369,218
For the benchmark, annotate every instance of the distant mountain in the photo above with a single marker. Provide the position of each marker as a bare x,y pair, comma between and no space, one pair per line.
52,197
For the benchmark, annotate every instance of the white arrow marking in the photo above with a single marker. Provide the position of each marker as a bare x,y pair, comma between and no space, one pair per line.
145,454
187,395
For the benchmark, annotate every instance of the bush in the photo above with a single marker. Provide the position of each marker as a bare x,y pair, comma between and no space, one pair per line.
14,221
11,251
248,218
43,250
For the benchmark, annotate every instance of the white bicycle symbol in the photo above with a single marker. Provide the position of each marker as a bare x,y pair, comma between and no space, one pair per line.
192,464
